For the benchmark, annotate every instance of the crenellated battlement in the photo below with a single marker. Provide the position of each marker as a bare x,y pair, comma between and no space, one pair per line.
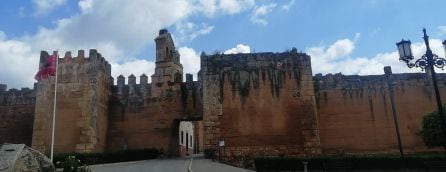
16,114
250,71
258,94
143,87
123,90
83,88
340,81
24,96
143,80
247,61
95,60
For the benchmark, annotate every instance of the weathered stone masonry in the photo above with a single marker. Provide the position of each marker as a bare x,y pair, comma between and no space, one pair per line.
16,115
147,115
83,91
355,114
260,103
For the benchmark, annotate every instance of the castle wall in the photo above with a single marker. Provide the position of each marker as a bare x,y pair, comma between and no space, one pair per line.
355,114
138,120
148,115
83,90
259,104
16,115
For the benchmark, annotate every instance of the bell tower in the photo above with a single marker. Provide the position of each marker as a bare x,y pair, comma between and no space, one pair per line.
168,69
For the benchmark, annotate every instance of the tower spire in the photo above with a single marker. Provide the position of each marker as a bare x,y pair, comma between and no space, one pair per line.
168,69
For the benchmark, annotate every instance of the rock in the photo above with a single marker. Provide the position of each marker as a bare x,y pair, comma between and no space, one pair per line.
19,157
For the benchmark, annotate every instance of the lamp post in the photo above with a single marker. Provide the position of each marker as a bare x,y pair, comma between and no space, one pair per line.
427,62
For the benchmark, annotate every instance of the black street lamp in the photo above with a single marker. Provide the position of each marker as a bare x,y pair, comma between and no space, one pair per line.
427,62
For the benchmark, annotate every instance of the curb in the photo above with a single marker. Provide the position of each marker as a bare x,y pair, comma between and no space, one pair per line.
118,163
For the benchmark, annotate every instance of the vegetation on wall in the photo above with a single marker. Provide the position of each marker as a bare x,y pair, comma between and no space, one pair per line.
109,157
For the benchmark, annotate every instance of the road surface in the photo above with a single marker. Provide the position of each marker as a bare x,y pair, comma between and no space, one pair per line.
195,164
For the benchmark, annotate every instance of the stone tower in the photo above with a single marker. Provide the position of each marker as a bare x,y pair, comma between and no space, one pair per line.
83,91
168,68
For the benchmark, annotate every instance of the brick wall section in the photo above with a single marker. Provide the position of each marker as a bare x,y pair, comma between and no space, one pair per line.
138,120
147,115
260,101
355,114
84,86
16,115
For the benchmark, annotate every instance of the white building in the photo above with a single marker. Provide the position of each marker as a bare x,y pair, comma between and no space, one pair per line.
186,137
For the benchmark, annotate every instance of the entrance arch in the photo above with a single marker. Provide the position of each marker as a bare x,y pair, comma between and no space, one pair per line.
186,138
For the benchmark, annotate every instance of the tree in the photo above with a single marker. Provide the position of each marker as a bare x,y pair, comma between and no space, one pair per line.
432,132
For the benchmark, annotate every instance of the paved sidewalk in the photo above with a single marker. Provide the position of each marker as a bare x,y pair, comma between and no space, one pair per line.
165,165
196,162
205,165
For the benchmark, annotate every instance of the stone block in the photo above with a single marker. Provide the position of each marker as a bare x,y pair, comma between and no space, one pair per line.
89,147
84,139
80,147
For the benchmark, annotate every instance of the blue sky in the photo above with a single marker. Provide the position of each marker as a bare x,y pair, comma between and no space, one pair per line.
347,36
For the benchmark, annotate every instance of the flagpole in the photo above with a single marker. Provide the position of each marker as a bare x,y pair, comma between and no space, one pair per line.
54,107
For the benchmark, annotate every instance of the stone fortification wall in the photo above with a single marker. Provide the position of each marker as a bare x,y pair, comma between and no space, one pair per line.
140,118
259,103
83,91
355,114
16,115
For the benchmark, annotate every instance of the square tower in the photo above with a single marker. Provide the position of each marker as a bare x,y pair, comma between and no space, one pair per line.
168,70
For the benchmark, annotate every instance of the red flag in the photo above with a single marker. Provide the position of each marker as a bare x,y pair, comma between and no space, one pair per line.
48,69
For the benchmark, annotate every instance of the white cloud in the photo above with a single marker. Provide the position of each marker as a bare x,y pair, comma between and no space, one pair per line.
45,6
85,5
240,48
260,12
339,49
357,36
190,60
2,35
19,63
337,58
211,7
288,5
235,6
117,29
208,7
188,31
442,30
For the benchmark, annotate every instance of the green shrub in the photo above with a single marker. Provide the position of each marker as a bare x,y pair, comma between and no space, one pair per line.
432,131
71,164
111,157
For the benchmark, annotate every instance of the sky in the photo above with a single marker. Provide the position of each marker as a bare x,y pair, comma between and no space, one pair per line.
348,36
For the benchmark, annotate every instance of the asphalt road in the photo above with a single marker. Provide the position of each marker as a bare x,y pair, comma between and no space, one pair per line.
206,165
167,165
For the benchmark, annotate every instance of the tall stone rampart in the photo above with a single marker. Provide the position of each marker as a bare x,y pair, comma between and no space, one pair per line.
259,104
16,115
355,114
83,91
139,119
147,115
